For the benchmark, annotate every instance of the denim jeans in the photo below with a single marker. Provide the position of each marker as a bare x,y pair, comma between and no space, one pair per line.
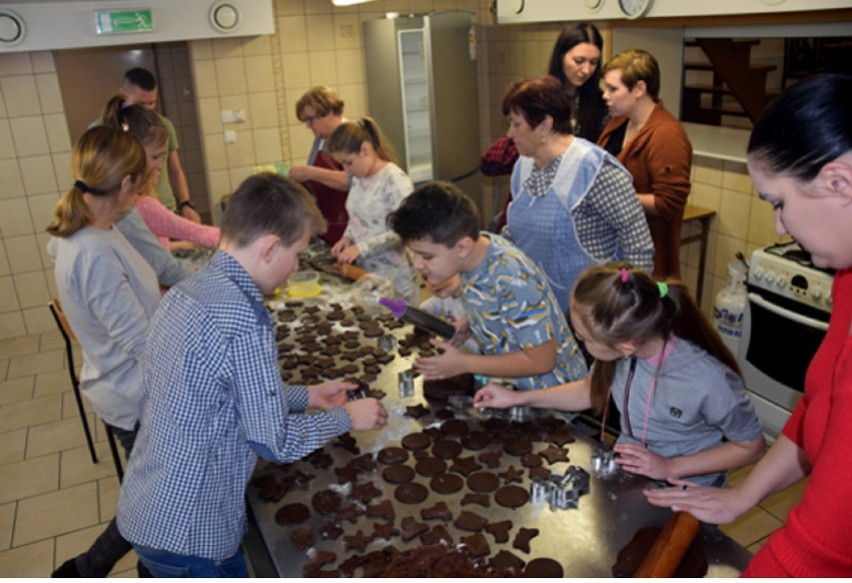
166,564
110,546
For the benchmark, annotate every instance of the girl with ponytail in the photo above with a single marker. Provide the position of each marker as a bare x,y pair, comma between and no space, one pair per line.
378,187
684,410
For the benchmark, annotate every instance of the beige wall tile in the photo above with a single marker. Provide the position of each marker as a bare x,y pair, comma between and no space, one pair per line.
350,67
41,208
241,153
32,290
259,75
12,325
56,513
214,152
317,7
7,145
20,94
42,239
10,177
205,79
323,68
256,45
292,34
289,7
355,96
15,217
263,110
297,73
15,64
230,76
55,381
707,196
735,177
38,320
49,93
62,169
42,62
238,174
761,225
347,31
200,49
726,249
35,560
219,183
7,521
19,346
39,178
23,253
707,170
58,138
209,119
30,135
301,140
267,145
8,295
733,218
29,478
224,48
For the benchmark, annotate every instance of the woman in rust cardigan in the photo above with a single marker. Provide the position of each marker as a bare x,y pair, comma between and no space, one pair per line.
653,146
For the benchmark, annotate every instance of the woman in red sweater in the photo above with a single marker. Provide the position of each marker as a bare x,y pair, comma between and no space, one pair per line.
800,159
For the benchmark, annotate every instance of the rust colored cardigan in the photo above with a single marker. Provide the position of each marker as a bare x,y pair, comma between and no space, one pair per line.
660,159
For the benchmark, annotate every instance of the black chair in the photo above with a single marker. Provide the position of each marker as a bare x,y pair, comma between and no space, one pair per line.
68,336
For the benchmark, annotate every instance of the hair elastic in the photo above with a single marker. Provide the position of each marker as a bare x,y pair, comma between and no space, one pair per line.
79,184
625,277
664,288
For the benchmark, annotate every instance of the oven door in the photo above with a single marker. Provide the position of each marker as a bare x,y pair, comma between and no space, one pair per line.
776,348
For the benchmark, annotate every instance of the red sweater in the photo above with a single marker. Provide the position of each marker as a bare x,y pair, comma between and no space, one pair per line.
816,541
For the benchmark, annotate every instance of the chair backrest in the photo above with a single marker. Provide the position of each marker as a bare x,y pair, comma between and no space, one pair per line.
61,319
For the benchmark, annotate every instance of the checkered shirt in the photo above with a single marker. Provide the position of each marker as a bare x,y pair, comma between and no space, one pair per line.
213,400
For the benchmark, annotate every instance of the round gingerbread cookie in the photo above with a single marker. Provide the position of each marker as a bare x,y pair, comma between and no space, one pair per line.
398,474
544,568
292,514
511,496
411,493
446,449
430,466
392,456
416,441
326,501
483,482
446,483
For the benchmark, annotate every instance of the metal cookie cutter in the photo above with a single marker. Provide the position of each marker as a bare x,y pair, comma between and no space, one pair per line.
604,465
406,384
387,343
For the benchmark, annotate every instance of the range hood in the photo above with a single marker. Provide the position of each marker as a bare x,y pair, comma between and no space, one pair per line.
50,25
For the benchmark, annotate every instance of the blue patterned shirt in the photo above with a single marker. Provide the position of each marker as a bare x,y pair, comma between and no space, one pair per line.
213,400
510,307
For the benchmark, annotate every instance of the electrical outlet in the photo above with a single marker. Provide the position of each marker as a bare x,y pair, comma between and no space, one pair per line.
227,116
346,31
239,115
230,137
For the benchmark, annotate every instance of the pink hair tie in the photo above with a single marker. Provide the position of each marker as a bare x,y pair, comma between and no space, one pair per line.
624,275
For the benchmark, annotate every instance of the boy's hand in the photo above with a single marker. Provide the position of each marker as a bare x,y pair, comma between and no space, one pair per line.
495,396
338,247
329,395
366,414
442,366
462,332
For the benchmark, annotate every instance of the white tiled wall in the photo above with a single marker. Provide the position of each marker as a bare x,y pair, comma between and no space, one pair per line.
34,163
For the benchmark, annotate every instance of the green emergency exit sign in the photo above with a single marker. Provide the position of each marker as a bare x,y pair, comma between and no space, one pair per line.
123,21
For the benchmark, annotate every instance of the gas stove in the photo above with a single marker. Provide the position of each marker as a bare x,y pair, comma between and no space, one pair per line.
785,269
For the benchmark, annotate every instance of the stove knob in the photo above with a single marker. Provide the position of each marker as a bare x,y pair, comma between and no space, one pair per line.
816,294
781,283
829,301
770,278
758,273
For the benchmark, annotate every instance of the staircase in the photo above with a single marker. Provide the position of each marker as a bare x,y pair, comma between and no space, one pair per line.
737,88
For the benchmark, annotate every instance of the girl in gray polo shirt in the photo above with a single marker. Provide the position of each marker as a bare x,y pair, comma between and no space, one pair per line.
684,410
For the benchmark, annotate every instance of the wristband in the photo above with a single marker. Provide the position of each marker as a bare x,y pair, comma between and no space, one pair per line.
186,203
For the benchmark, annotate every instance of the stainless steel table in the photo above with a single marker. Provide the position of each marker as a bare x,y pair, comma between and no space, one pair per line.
584,540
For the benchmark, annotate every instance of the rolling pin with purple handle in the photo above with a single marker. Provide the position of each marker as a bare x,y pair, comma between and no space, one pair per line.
418,318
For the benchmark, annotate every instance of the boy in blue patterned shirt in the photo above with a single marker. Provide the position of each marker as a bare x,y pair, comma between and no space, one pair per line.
509,307
213,398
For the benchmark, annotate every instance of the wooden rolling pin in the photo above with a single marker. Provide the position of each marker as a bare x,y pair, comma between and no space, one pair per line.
668,550
353,272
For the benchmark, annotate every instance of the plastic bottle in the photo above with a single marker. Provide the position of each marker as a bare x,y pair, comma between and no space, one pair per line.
730,306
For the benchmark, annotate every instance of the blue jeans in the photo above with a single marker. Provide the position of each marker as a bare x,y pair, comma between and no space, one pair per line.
166,564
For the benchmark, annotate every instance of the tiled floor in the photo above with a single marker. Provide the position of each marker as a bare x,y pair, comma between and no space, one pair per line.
54,501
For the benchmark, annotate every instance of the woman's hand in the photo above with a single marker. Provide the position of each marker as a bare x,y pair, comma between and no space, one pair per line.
448,364
706,503
495,396
338,247
329,395
641,460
